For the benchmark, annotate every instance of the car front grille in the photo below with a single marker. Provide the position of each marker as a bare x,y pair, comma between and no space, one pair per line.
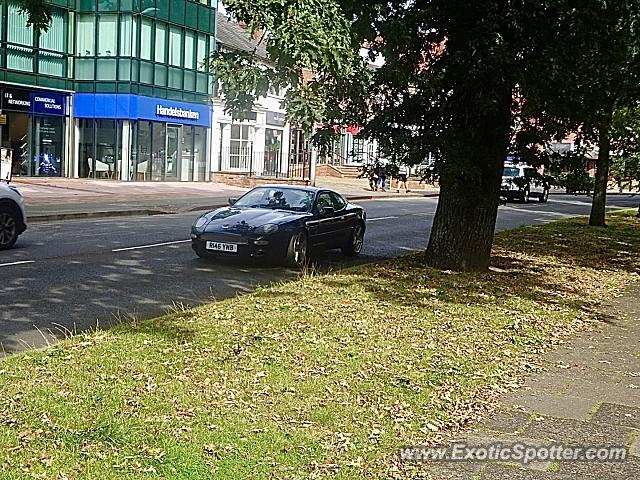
225,238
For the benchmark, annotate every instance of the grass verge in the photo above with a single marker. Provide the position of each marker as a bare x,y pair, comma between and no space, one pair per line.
323,377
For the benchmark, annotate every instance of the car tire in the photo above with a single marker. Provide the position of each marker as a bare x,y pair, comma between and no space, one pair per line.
298,250
544,197
355,242
8,227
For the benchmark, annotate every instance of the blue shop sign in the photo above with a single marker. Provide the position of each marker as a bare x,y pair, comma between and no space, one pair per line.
138,107
48,103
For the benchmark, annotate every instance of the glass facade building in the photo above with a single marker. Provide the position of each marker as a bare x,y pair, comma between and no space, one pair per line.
130,78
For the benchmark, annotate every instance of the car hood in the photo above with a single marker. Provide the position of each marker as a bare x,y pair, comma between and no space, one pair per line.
244,220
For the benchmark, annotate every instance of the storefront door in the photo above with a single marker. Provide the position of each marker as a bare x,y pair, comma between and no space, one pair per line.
173,165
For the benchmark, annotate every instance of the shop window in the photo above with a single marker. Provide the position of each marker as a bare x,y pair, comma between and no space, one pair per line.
189,48
86,35
145,39
17,29
86,155
141,162
272,151
200,153
158,140
128,40
107,161
175,46
48,158
107,35
160,42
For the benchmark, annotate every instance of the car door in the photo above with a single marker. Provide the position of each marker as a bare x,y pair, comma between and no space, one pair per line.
345,220
328,223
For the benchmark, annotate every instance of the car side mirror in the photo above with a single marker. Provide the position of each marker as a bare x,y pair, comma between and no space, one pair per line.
327,211
232,201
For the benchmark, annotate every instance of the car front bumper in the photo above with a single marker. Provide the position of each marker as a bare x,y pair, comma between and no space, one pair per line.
268,247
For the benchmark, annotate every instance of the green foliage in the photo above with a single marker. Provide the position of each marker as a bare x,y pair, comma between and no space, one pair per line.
38,13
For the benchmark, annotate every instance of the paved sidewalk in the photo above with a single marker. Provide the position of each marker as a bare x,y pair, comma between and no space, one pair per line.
588,395
61,198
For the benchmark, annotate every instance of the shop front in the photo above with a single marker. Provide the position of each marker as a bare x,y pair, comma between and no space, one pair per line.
138,138
33,129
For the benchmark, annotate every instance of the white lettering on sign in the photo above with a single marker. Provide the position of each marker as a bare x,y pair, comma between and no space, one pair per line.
176,113
49,103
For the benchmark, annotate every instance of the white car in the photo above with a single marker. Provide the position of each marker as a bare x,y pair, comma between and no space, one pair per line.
523,182
13,219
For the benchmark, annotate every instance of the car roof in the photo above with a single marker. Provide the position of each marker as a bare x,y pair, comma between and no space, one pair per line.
293,187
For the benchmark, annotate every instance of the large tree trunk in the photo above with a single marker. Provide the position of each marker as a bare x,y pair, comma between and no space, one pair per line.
598,205
464,224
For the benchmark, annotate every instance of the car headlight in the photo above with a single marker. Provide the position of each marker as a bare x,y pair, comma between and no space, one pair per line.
201,222
266,228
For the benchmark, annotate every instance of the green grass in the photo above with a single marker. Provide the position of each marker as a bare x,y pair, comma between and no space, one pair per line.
323,377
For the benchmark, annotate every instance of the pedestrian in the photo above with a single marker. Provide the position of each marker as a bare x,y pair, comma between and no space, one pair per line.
382,178
403,173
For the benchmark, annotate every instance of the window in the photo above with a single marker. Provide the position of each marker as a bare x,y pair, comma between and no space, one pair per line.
17,30
86,35
241,146
51,63
202,52
54,38
189,44
128,40
107,35
145,39
338,201
175,46
324,200
160,42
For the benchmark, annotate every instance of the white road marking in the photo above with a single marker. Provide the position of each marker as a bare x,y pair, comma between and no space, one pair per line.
16,263
139,247
379,218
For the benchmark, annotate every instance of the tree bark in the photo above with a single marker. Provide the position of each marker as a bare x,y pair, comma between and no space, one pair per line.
598,205
464,224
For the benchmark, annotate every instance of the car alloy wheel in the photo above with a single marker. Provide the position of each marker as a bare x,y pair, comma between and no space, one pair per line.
299,249
8,230
357,240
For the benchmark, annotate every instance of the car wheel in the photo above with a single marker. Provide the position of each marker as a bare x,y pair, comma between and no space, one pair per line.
544,197
8,228
297,252
354,244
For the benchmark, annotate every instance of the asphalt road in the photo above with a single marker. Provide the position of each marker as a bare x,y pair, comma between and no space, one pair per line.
76,275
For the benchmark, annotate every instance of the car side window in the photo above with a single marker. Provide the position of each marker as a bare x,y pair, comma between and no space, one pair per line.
324,200
338,201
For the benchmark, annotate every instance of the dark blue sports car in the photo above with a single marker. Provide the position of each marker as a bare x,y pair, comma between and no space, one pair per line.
281,223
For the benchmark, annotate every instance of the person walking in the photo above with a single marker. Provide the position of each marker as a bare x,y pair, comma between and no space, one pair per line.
403,174
382,178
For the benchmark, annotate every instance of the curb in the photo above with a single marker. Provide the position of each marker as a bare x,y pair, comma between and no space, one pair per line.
147,211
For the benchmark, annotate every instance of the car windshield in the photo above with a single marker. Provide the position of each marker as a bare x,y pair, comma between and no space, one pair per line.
510,172
277,199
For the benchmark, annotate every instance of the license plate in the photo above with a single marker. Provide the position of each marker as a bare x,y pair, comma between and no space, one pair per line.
223,247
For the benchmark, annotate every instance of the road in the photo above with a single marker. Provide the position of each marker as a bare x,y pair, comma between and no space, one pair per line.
76,275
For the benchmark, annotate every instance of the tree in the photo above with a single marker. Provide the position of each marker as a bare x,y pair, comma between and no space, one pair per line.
450,75
596,77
